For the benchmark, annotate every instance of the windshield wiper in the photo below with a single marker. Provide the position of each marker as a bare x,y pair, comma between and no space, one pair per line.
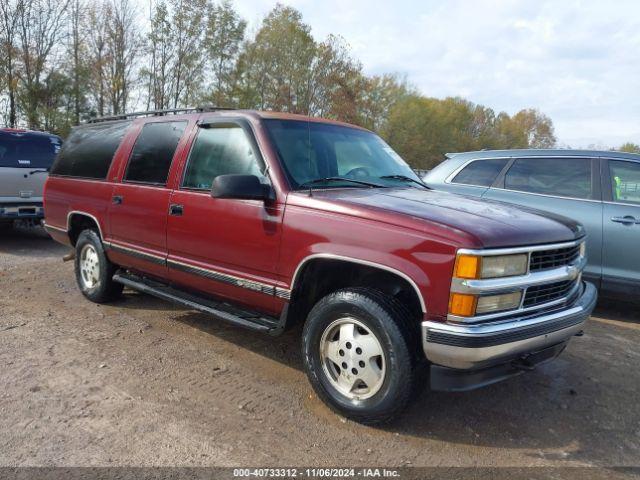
38,171
407,179
340,179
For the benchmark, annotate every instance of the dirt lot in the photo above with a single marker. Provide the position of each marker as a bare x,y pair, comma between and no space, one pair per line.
143,383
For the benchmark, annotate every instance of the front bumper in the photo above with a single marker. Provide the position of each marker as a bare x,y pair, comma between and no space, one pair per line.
475,347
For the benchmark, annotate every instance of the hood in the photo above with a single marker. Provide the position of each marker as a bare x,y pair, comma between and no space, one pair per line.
492,224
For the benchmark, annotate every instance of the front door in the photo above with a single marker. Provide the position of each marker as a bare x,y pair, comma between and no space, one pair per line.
139,204
224,247
621,220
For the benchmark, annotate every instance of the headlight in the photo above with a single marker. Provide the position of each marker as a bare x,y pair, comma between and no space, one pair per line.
583,249
475,267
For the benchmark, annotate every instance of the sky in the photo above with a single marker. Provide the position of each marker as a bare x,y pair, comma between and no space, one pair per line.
576,61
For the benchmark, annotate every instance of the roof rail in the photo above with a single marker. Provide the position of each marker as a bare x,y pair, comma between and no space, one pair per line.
157,113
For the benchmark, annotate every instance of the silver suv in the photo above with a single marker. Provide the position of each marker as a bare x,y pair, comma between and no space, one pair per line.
25,159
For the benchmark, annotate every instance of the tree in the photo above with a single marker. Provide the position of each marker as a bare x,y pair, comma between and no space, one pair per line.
122,45
536,127
423,129
160,52
187,33
275,69
8,54
630,148
97,56
223,39
378,96
40,25
79,72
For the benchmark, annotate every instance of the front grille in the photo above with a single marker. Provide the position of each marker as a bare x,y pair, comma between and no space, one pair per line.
541,294
558,257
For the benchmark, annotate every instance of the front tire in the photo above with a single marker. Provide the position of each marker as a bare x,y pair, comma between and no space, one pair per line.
94,271
359,355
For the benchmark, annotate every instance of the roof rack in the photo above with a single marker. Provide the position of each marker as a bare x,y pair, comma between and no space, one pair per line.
157,113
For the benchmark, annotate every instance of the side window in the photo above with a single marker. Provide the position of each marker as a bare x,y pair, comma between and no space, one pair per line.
564,177
625,181
481,173
153,151
89,150
220,150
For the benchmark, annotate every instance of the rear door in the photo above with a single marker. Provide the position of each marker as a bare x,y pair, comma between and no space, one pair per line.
140,202
621,220
25,159
567,186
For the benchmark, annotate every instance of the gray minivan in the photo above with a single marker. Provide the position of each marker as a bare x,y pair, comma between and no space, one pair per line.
599,189
25,159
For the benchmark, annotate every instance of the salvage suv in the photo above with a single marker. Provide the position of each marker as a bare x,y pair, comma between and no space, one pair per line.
269,220
25,159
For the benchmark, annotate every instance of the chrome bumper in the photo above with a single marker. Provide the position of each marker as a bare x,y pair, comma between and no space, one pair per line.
479,346
17,211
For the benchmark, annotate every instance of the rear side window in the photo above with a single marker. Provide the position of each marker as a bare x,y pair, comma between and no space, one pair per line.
153,152
563,177
481,173
28,150
220,150
625,181
89,150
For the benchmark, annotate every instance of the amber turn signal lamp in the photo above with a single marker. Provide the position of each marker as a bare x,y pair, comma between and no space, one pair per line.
462,305
467,266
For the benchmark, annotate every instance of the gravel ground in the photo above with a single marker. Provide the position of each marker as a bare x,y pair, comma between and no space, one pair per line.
143,383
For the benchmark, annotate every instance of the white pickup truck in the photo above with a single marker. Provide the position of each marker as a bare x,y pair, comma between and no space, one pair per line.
25,159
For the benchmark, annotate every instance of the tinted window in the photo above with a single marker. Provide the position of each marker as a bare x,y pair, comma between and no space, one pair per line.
565,177
625,181
153,151
89,150
314,150
28,150
481,172
220,150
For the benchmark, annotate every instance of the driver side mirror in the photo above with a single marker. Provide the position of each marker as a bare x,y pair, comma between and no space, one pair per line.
242,187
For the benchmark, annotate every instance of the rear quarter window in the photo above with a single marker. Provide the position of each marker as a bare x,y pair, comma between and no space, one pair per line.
481,173
89,150
28,150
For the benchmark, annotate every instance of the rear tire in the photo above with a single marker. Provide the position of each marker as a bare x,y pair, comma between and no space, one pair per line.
94,271
358,351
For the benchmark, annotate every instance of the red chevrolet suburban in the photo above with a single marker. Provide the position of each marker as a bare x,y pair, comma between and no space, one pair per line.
268,220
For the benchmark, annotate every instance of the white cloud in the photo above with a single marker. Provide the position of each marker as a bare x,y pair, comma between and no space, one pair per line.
577,61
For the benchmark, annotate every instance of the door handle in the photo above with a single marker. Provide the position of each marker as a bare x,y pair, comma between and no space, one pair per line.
626,220
117,199
176,210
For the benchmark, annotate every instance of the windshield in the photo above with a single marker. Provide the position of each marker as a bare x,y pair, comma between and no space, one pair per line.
28,150
311,151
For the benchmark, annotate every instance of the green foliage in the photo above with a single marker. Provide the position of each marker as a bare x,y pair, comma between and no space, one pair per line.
630,148
223,39
423,129
276,67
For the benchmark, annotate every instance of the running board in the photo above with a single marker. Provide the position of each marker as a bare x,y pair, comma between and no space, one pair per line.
221,310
